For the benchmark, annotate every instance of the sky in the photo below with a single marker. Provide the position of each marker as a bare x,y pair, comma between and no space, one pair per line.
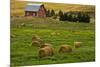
87,2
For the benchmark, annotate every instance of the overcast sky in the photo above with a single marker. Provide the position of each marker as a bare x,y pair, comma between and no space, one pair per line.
89,2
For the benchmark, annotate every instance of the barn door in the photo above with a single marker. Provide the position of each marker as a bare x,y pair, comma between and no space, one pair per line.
34,14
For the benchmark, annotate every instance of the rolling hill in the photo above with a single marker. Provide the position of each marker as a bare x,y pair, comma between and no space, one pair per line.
17,7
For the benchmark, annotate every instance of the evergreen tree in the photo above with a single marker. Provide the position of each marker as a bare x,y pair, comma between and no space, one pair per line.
52,12
48,13
74,16
75,19
65,17
79,17
60,13
70,17
86,18
83,18
61,17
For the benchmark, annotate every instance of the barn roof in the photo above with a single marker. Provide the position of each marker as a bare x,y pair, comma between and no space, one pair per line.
32,7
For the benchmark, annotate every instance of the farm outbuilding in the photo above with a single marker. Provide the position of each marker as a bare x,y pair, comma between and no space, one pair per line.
35,10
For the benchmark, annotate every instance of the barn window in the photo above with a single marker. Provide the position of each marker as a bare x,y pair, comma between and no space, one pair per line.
34,14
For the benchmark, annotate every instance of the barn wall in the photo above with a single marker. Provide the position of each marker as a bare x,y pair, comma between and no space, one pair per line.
30,13
41,12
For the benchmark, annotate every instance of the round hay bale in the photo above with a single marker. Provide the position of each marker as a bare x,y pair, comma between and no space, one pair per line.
65,49
46,51
12,36
45,45
36,43
77,44
55,33
36,38
22,24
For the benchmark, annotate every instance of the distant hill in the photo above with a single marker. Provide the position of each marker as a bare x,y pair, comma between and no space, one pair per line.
17,7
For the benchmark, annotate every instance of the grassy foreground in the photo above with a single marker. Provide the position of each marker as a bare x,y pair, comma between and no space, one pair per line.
23,54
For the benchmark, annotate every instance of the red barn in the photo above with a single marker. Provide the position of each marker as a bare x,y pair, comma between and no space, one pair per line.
35,10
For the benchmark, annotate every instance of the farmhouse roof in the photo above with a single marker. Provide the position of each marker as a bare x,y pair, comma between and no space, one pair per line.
32,7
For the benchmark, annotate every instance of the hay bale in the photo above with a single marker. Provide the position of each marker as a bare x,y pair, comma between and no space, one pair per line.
22,24
12,36
77,44
55,33
46,51
65,49
45,45
36,43
36,38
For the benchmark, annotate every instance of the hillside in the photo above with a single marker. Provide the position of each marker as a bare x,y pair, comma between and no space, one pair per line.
17,7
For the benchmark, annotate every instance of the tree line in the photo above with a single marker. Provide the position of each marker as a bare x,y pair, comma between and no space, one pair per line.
69,16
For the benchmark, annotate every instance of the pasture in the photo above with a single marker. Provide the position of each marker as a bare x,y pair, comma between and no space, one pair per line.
23,28
22,53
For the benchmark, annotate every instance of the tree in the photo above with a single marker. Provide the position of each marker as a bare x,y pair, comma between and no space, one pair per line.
52,12
48,13
83,17
79,17
86,18
60,13
65,17
70,18
75,19
61,16
74,16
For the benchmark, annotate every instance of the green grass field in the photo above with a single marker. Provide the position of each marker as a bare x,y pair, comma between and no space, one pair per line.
24,54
